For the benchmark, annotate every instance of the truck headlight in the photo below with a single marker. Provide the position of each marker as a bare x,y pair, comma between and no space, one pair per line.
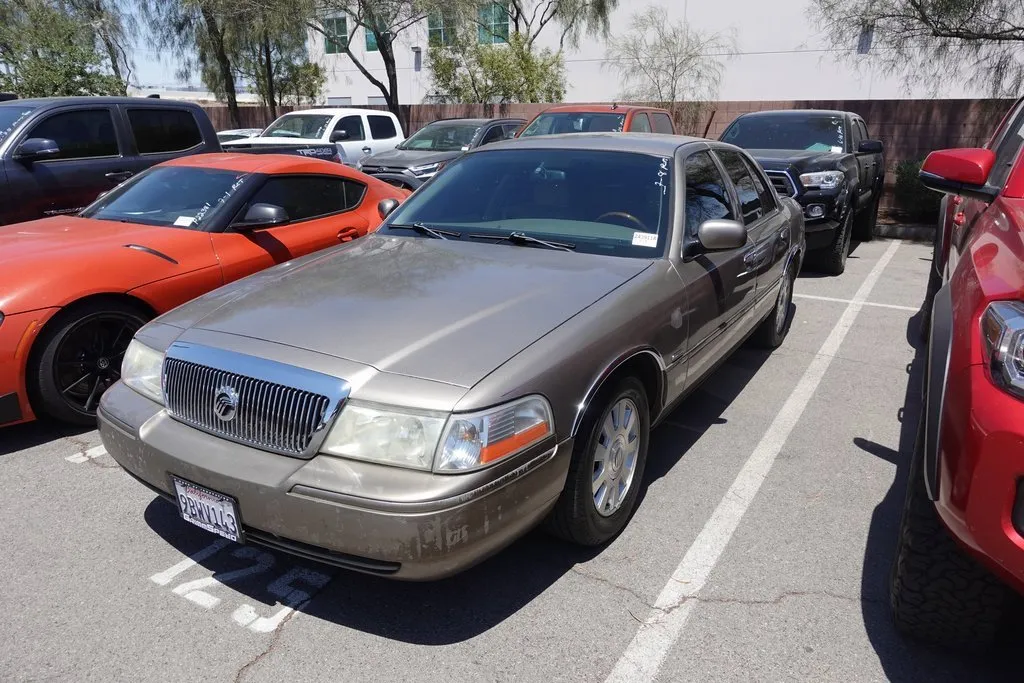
142,369
474,440
386,436
1002,331
826,180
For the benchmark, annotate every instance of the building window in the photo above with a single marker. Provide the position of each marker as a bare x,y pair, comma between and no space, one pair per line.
336,37
867,36
440,29
371,41
492,20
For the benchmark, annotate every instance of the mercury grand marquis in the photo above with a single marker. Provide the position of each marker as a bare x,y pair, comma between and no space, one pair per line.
491,359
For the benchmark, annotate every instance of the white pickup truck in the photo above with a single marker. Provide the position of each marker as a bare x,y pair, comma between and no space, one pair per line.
356,132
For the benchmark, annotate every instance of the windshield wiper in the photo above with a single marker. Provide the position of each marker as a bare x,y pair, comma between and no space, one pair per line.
522,239
427,230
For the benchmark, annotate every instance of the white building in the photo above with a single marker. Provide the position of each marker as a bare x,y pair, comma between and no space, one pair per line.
781,56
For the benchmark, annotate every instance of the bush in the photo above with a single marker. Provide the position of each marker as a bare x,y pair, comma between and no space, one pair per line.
914,201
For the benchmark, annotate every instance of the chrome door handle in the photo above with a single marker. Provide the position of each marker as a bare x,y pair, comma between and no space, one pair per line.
367,150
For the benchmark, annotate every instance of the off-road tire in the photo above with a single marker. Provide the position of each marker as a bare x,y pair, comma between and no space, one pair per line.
938,593
832,260
575,518
770,334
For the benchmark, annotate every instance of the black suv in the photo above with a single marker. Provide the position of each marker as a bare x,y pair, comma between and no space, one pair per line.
58,154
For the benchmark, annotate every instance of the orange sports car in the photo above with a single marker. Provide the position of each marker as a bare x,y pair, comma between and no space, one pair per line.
74,289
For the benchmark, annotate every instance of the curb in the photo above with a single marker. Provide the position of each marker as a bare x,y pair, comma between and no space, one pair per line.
903,231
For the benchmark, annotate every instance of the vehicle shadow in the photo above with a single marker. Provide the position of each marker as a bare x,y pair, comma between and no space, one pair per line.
903,659
809,272
462,607
20,437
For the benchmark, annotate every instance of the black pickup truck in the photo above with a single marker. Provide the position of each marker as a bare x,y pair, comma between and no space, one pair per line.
827,162
58,154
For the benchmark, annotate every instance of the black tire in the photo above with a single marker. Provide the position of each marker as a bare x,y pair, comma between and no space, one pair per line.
864,225
575,517
773,330
48,389
833,260
938,593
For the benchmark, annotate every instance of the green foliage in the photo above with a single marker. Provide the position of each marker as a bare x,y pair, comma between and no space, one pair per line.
46,50
469,71
915,201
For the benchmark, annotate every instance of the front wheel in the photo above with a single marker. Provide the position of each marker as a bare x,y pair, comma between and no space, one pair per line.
866,221
833,259
607,467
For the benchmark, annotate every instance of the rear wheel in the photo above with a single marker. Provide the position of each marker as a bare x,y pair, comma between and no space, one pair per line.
80,357
607,467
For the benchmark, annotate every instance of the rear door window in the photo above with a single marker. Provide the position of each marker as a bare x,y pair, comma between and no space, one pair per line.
746,187
493,134
662,123
164,130
81,134
382,127
353,125
640,124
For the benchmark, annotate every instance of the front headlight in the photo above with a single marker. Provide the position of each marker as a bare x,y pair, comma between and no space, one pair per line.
1002,331
141,370
426,169
478,439
825,180
390,437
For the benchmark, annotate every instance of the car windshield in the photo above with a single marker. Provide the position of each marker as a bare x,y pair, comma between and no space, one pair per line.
10,116
442,137
601,202
170,196
558,123
298,126
788,131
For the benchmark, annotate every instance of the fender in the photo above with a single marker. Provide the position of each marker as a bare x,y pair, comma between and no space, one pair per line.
610,369
940,338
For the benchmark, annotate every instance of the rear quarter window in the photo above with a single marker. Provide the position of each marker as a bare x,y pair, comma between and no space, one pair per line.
164,130
662,123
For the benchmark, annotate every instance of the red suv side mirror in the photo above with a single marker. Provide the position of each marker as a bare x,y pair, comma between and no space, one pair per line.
960,171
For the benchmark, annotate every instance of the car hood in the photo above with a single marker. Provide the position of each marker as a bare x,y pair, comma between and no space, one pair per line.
442,310
405,158
796,160
62,236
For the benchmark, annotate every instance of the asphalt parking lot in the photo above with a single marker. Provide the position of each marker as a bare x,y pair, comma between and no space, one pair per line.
760,550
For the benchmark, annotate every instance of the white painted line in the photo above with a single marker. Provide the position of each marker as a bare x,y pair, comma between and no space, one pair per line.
646,653
862,303
163,578
90,454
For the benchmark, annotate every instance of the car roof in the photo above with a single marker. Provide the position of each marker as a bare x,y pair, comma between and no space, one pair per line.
338,111
58,101
593,108
257,163
478,121
657,144
795,112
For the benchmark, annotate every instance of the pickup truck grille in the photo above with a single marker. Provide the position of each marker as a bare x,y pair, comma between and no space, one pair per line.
782,183
251,411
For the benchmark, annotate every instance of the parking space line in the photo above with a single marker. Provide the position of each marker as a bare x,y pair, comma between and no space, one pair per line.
849,301
85,456
663,626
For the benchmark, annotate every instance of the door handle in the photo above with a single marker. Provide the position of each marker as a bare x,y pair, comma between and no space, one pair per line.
347,234
367,150
119,175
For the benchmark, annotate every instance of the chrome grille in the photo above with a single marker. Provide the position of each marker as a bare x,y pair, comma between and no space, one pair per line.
783,185
267,415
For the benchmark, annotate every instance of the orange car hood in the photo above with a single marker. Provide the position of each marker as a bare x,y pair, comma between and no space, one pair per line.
52,261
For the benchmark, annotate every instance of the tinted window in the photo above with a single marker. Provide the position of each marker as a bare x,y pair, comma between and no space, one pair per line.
558,123
305,197
382,127
707,196
856,135
170,196
605,202
164,130
863,130
764,191
511,129
640,124
354,126
1006,145
815,132
10,117
746,189
80,134
662,123
494,134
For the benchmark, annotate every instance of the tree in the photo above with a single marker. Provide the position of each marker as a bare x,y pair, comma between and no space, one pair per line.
47,51
468,71
114,26
271,54
927,40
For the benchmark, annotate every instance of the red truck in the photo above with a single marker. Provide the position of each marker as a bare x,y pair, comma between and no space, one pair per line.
599,118
960,555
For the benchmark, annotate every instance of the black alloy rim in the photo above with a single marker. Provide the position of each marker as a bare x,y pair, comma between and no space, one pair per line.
88,358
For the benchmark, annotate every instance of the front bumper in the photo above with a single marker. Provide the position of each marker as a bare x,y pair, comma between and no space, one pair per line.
17,334
822,231
982,470
302,507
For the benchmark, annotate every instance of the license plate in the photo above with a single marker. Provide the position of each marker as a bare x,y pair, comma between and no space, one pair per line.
208,509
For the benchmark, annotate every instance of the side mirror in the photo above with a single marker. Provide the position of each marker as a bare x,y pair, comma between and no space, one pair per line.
870,147
339,136
263,215
386,207
37,148
719,235
960,171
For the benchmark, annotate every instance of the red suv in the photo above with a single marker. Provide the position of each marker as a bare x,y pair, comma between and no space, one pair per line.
961,543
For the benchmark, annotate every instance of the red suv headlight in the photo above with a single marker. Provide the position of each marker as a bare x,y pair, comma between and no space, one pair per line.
1002,332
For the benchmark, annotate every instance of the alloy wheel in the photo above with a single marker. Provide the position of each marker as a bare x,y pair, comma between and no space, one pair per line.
88,358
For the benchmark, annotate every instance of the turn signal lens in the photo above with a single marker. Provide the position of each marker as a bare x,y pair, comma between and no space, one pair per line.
472,441
1002,332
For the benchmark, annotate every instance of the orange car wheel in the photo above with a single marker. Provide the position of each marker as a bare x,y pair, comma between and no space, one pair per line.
79,357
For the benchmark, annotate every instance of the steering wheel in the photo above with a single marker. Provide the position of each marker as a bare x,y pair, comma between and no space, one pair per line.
622,214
